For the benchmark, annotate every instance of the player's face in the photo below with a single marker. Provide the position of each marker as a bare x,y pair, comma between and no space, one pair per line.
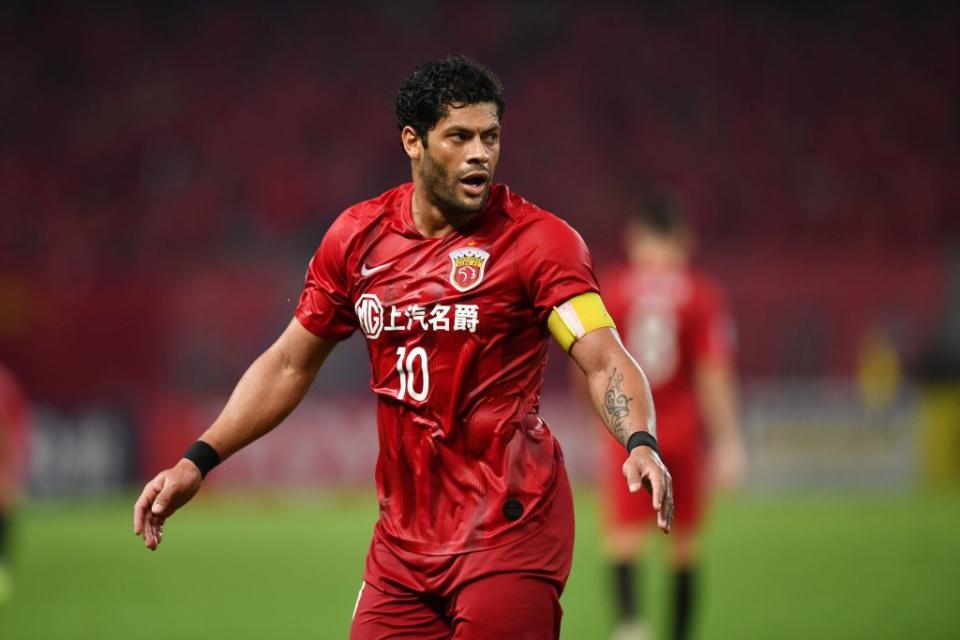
656,251
456,167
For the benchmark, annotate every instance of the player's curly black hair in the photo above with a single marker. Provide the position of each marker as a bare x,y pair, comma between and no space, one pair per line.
427,95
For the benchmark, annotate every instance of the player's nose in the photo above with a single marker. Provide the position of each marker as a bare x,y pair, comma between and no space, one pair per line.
477,151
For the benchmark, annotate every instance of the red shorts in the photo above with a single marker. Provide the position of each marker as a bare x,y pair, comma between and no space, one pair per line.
623,508
510,591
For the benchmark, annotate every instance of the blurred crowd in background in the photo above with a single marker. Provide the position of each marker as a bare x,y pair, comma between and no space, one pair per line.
167,170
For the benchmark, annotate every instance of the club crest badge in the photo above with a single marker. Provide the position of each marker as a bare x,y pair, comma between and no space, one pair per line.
466,270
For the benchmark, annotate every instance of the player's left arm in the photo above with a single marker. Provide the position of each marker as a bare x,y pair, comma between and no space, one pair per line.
715,384
716,389
619,391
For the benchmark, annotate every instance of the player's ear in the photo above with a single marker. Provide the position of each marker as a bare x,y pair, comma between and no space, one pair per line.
412,143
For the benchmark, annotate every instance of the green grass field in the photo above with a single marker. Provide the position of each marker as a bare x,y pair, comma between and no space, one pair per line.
243,566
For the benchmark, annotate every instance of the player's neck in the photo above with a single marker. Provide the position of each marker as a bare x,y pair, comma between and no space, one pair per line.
430,220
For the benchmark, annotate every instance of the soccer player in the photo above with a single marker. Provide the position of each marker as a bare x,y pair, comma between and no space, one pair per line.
675,320
456,284
14,422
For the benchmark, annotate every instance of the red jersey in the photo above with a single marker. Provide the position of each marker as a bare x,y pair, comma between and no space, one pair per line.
14,423
456,329
670,321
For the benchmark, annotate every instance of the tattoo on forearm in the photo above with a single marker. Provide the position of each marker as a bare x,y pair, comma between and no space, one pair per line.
616,406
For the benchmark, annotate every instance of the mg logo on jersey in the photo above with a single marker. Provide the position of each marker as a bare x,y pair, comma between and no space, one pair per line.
369,314
466,272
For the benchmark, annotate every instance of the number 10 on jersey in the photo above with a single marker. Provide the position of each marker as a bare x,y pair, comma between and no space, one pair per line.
406,363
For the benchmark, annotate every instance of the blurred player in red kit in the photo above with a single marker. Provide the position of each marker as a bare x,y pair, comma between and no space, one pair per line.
456,284
14,424
674,319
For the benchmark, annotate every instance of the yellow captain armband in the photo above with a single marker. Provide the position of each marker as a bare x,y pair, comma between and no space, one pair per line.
577,317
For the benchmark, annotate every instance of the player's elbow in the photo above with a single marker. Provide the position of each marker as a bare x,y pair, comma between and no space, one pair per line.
295,371
600,351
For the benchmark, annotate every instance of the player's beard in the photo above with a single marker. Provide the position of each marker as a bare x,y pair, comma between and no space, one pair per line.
442,189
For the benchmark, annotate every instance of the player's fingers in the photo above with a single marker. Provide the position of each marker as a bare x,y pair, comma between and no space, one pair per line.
156,526
655,478
138,513
147,536
673,507
665,515
147,533
142,505
632,474
153,533
161,504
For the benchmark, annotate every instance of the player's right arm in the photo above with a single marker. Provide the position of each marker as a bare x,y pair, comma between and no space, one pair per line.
270,389
273,385
715,381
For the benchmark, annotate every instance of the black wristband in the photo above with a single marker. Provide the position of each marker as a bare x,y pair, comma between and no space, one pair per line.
642,439
204,456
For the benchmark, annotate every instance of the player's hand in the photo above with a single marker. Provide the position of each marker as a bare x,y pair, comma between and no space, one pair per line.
645,469
728,464
163,495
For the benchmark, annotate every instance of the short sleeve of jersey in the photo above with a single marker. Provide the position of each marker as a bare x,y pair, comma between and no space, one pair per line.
324,308
713,333
554,264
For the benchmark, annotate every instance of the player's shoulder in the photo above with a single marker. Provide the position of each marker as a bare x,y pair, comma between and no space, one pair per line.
356,225
359,221
532,222
363,213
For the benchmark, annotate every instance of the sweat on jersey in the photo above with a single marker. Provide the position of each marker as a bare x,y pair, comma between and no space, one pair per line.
456,329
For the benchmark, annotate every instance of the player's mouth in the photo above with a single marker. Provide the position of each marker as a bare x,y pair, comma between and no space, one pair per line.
475,182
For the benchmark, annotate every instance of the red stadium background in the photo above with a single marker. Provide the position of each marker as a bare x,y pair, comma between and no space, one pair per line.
166,171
